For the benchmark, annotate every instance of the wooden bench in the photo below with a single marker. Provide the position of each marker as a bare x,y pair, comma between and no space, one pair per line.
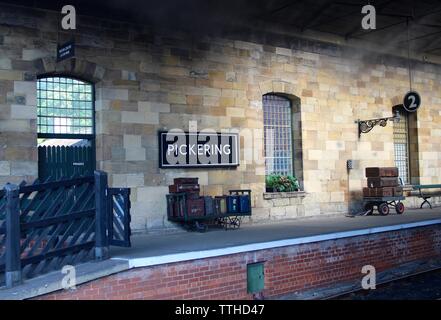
426,196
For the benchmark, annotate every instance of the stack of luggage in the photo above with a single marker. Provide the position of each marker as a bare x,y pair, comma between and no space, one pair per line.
195,204
382,182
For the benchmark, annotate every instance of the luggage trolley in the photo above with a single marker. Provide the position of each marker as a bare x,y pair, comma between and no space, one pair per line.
177,211
383,204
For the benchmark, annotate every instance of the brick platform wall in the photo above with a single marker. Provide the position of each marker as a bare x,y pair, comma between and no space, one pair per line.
287,269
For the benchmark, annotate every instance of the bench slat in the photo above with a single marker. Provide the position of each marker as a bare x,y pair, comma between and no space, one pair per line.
426,186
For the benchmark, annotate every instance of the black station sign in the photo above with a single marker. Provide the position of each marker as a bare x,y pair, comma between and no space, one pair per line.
198,149
412,101
65,51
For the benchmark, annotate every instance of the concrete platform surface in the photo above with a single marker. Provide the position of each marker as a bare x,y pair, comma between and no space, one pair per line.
304,230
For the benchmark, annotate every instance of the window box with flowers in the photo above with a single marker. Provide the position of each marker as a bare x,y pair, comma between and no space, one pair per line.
281,183
279,186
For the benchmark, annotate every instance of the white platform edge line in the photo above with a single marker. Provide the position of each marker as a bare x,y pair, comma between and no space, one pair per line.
194,255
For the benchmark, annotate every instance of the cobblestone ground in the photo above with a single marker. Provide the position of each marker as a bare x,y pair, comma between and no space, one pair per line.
426,286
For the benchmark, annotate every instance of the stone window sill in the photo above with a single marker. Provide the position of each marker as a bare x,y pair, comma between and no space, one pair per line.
283,195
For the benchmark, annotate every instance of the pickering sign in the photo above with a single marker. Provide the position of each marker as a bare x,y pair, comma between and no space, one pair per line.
179,149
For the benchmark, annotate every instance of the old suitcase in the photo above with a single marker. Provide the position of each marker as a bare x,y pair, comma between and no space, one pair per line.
378,172
378,192
398,191
193,195
233,204
382,182
176,188
178,208
368,192
209,206
220,205
186,181
196,207
244,204
171,212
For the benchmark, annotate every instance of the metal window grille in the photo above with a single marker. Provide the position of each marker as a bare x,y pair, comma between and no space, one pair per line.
64,106
401,147
277,135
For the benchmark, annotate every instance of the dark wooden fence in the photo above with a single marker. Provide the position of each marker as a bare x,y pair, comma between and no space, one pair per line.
44,226
65,161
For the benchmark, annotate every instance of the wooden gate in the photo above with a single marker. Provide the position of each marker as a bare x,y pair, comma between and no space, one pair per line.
119,216
2,236
47,225
60,162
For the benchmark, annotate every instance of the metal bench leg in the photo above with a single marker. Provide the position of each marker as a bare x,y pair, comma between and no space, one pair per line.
426,201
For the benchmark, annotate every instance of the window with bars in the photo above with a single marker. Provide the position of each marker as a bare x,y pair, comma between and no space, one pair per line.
401,146
64,106
278,135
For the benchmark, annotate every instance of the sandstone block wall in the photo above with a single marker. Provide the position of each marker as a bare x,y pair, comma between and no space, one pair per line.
149,80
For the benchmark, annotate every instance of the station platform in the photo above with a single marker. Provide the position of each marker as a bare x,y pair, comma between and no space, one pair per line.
300,256
150,250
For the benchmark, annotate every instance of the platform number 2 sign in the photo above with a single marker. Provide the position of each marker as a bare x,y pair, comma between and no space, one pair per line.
412,101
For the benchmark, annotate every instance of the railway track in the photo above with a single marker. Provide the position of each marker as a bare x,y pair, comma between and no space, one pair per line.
424,285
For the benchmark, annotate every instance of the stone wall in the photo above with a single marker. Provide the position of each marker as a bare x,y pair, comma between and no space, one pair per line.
148,80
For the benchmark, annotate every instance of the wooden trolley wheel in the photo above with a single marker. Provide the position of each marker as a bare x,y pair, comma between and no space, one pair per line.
383,209
232,223
399,208
200,227
235,223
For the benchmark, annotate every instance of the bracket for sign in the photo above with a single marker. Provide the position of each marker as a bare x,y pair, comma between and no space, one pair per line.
365,126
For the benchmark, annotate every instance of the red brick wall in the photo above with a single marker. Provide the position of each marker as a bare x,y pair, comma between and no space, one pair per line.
287,269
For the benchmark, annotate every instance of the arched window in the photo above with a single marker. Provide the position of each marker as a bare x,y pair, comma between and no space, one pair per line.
64,107
65,128
401,144
277,115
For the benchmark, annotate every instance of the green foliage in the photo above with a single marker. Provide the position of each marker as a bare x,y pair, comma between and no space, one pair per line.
280,183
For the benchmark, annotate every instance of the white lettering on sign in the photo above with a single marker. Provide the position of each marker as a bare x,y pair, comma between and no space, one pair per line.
64,51
187,149
199,149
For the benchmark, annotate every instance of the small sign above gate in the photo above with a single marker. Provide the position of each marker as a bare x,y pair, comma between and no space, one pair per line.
187,150
412,101
65,51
